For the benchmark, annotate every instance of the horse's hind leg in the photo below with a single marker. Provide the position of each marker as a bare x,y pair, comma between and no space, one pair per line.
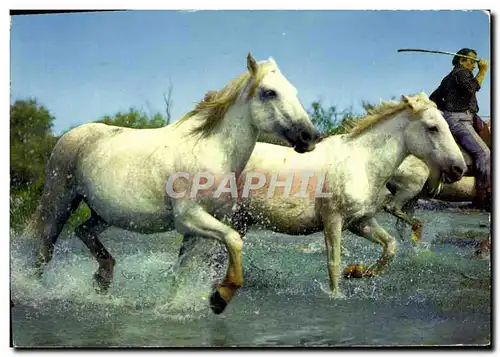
370,229
88,233
55,211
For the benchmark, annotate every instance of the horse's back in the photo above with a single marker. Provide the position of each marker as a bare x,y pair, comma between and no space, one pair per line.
70,144
84,135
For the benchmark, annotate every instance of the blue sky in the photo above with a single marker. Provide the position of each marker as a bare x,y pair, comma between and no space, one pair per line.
87,65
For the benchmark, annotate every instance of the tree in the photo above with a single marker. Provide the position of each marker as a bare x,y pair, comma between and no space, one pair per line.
134,119
367,106
168,103
31,142
331,121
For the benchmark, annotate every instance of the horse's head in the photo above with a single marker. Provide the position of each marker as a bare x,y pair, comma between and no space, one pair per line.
428,137
275,107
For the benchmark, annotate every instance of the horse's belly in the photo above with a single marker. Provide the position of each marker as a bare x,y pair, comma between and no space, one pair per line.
141,207
134,216
128,204
291,216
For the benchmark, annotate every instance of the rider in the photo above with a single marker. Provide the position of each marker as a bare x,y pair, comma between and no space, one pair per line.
456,98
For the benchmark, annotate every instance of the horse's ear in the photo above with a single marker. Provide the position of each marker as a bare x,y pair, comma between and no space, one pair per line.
408,100
210,95
251,64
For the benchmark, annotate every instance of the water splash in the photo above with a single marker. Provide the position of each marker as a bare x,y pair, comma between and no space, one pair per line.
284,284
142,280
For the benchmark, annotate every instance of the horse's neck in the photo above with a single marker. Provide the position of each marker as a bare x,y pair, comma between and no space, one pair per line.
238,136
234,135
383,149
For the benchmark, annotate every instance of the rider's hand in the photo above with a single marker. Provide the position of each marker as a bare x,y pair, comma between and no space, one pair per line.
483,65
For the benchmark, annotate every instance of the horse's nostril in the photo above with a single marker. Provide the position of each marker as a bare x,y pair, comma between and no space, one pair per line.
457,170
305,136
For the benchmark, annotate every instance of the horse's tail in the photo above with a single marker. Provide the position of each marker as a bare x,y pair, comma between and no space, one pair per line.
34,226
58,172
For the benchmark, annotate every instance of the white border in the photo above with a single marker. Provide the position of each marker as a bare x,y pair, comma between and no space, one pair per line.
185,4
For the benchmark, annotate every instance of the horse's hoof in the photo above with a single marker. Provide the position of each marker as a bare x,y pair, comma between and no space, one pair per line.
416,234
101,285
354,271
217,303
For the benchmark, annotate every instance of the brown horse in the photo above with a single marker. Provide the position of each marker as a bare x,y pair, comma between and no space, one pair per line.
479,196
483,129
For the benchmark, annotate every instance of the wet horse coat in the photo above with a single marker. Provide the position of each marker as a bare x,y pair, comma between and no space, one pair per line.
121,173
411,182
357,167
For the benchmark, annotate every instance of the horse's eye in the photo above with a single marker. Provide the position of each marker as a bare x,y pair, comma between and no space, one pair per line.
433,129
268,94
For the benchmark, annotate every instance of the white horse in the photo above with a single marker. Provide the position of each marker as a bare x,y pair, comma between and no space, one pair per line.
411,183
121,173
414,180
355,167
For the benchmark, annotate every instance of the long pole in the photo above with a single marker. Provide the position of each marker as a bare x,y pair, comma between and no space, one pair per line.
432,51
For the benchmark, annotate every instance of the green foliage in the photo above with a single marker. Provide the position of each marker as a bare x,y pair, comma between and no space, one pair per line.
331,121
367,106
135,119
32,141
81,214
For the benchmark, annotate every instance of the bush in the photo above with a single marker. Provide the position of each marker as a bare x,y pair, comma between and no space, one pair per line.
32,141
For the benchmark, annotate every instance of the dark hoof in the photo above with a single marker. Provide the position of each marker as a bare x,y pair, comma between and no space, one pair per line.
101,285
217,303
354,271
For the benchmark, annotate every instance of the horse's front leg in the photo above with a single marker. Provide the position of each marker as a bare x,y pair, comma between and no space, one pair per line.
370,229
416,225
191,219
333,233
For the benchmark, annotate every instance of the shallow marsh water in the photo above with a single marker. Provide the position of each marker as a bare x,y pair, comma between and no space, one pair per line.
424,298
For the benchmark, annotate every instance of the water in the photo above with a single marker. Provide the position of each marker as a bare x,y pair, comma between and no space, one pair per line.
422,299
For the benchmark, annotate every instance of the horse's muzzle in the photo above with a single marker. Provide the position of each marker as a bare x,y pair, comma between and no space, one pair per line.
454,174
306,141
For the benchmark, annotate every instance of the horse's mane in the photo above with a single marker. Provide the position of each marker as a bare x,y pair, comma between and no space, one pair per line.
386,110
215,104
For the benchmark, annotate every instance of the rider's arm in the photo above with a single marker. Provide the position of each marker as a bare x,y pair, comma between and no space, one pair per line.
466,81
483,67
